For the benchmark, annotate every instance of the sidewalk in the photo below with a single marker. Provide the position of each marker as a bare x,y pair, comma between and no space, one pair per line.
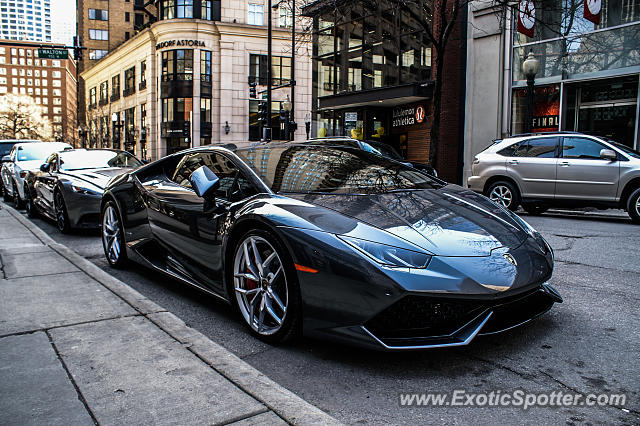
78,346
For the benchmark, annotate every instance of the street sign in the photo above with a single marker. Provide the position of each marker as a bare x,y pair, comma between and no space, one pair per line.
53,53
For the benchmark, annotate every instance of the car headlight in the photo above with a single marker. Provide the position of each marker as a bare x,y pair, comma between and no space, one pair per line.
388,255
84,190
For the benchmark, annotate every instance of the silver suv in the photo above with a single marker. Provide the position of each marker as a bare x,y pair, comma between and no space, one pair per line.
559,169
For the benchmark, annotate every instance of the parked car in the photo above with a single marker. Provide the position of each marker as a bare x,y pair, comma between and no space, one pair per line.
68,186
559,169
375,147
332,241
22,158
5,148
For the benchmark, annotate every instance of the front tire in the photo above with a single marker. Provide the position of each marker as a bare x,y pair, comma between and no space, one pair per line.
112,233
633,206
265,287
62,218
19,202
505,194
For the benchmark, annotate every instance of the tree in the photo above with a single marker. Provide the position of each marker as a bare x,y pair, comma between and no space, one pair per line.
21,118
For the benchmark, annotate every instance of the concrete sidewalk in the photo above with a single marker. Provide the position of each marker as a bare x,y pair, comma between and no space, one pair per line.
78,346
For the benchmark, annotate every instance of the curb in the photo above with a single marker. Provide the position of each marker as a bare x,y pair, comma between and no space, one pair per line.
282,401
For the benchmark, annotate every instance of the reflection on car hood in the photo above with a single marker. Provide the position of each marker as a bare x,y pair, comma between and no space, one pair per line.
449,221
97,177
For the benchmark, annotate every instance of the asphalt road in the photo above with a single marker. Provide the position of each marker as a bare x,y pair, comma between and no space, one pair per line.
589,344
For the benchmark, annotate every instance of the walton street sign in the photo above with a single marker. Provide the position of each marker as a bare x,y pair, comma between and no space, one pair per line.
53,53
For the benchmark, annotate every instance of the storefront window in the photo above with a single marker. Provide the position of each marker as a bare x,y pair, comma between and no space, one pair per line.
546,109
280,69
205,13
184,8
205,110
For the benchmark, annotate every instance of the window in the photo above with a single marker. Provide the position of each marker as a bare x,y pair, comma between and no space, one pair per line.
127,35
539,147
95,54
184,8
205,66
56,74
255,14
143,74
129,81
104,92
205,12
127,17
98,34
168,9
138,20
98,14
280,69
92,97
574,147
286,17
55,63
115,87
57,83
177,65
205,110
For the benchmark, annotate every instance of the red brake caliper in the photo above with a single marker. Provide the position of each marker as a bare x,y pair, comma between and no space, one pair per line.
249,284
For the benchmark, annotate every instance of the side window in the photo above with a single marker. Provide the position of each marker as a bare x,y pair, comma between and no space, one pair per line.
542,147
510,150
576,147
234,186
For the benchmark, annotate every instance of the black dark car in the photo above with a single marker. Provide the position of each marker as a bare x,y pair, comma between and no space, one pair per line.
68,187
333,242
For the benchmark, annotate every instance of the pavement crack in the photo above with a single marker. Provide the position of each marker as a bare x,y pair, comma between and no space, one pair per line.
71,378
571,262
47,329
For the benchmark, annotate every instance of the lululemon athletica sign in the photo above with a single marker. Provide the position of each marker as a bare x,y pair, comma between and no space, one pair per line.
592,9
527,17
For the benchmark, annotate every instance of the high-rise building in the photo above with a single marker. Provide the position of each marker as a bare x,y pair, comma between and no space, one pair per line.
26,20
50,82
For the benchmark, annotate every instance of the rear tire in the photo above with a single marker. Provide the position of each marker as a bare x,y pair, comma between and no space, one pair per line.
505,194
535,209
30,207
265,289
633,206
62,218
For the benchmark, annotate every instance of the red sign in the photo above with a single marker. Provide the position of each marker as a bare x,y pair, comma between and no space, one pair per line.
420,114
592,9
527,17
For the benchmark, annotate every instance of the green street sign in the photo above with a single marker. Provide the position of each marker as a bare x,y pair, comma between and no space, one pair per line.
264,96
53,53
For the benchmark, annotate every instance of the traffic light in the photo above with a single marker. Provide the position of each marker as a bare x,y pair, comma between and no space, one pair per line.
262,113
252,90
77,48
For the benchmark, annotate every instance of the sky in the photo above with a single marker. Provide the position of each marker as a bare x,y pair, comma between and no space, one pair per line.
63,21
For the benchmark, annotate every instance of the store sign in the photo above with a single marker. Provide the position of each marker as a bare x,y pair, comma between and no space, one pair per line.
407,116
350,116
526,17
179,43
592,9
546,108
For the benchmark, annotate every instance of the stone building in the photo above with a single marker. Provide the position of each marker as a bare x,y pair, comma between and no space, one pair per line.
186,79
50,82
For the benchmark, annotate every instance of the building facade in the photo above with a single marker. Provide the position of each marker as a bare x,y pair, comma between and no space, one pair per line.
25,20
187,81
587,79
373,77
50,82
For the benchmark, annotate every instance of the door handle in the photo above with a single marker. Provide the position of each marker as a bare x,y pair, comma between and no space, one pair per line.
513,161
565,164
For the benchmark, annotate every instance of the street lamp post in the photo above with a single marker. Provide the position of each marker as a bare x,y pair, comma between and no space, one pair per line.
530,69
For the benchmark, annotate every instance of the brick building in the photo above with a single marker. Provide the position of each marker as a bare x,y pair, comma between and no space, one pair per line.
373,78
50,82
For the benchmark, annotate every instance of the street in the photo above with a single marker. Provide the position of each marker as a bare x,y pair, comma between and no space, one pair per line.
588,344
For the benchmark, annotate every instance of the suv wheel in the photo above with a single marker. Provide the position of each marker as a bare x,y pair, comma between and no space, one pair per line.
17,201
505,194
633,206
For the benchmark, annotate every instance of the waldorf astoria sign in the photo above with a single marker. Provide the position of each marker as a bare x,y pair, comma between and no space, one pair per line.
179,43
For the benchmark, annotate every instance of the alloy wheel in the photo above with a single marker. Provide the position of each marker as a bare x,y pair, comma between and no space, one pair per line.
260,285
111,234
502,195
61,214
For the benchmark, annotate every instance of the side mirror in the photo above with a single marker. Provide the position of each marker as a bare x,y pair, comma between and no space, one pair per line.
44,167
608,154
204,182
6,159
